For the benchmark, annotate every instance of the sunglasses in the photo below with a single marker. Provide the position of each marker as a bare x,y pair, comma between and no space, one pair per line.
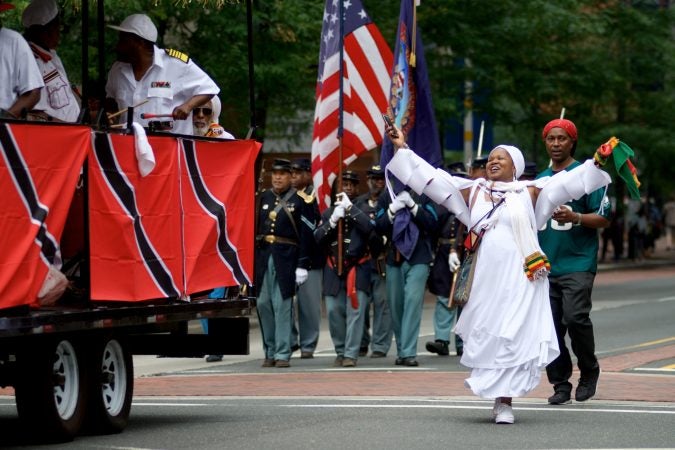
205,111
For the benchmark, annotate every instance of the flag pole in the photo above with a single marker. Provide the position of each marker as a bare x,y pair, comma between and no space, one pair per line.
480,138
340,133
562,113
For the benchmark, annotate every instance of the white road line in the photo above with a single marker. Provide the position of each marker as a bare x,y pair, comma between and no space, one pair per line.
516,408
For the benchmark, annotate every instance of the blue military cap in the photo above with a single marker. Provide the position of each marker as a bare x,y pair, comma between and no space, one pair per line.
375,171
479,163
282,164
350,175
530,171
301,164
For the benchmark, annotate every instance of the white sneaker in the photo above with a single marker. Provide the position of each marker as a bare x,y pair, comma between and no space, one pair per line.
503,413
495,407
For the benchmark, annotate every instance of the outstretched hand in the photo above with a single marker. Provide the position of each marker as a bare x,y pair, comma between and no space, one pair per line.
395,135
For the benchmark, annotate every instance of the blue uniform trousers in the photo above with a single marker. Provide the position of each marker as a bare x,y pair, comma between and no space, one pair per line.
382,331
443,320
274,314
405,293
345,323
308,312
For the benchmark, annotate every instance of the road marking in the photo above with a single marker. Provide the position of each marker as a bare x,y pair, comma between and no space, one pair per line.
667,369
516,407
642,345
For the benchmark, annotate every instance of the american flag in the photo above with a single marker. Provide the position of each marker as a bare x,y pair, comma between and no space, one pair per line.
367,67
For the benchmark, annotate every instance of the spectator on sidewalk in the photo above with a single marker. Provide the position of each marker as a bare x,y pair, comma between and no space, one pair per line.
570,240
669,222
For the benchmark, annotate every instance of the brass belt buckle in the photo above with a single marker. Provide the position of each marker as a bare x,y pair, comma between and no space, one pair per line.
270,239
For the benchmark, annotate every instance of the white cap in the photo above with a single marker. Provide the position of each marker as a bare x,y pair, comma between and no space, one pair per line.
138,24
39,12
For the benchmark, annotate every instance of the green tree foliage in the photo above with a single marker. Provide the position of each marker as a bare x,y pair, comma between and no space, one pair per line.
608,62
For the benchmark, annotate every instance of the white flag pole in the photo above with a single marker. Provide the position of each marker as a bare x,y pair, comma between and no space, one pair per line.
480,138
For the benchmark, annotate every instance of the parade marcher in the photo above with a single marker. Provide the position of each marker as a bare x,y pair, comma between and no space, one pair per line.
205,120
281,262
154,80
43,33
380,341
478,168
306,335
449,252
346,287
570,240
20,79
408,222
506,325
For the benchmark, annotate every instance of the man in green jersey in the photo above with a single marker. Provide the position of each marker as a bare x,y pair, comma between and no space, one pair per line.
570,240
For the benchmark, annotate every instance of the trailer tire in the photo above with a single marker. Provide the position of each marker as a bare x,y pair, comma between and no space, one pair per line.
111,389
51,392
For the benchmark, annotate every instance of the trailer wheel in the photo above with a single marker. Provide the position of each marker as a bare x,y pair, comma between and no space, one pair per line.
111,389
50,391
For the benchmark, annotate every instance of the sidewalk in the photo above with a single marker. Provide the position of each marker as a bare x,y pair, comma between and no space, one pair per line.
660,257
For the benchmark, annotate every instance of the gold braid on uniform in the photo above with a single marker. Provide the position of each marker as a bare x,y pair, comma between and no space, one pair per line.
177,54
308,198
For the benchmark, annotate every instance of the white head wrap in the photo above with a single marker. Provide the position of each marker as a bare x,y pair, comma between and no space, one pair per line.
516,157
215,106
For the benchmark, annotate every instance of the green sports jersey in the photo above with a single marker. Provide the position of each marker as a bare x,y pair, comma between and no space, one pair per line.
573,248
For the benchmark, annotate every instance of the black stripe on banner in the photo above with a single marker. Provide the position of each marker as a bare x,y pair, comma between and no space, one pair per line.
24,184
227,252
126,196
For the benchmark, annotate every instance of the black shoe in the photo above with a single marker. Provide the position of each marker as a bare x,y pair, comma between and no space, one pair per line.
460,351
214,358
399,361
410,362
338,361
363,351
587,386
438,346
377,354
295,348
560,398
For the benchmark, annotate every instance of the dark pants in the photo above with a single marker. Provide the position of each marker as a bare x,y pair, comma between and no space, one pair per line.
571,306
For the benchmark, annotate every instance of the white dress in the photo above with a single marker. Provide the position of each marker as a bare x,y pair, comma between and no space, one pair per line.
506,326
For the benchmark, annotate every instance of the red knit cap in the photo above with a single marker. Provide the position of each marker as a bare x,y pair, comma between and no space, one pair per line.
5,6
565,124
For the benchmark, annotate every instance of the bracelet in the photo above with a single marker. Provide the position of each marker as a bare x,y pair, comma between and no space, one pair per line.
578,222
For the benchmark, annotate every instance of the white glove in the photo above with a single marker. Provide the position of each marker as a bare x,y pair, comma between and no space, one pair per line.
343,200
407,200
396,205
453,262
338,213
300,275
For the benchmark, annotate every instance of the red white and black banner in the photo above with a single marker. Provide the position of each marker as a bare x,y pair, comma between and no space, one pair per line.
39,170
184,228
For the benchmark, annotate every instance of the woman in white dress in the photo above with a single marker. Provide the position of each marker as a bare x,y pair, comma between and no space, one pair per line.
507,326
